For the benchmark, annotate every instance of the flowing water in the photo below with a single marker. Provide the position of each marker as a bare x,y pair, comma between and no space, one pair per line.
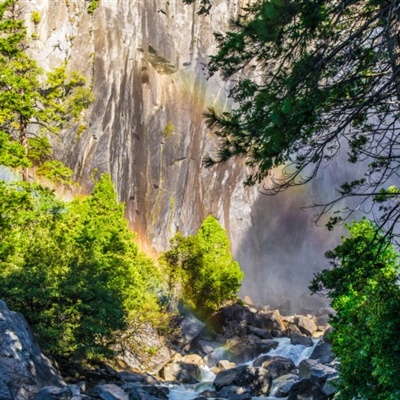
296,353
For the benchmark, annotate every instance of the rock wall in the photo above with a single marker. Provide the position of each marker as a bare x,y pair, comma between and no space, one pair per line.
146,62
23,367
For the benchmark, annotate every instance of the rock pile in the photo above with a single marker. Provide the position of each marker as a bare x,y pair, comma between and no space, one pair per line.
235,356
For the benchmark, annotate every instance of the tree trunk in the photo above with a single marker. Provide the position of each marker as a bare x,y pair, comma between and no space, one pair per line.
23,139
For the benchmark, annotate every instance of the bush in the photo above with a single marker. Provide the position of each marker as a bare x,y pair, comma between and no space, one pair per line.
72,269
363,286
201,268
36,17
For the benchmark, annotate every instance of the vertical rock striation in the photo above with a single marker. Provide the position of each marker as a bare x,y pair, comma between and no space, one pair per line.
146,62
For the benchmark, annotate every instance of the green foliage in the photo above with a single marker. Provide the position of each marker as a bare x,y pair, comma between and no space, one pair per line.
168,130
12,154
363,286
31,102
204,268
36,17
307,77
93,4
56,172
73,269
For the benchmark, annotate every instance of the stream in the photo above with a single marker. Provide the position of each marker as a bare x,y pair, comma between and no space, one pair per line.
296,353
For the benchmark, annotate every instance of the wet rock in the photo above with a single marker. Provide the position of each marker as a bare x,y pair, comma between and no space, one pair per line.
322,352
306,390
306,325
24,370
257,380
260,360
250,347
315,371
235,393
302,340
277,366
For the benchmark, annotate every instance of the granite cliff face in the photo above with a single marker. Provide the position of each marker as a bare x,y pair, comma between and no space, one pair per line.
146,62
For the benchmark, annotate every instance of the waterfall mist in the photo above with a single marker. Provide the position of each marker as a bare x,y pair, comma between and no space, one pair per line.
283,247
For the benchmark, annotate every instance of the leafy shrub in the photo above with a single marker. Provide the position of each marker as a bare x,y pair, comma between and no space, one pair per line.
364,288
202,268
72,269
36,17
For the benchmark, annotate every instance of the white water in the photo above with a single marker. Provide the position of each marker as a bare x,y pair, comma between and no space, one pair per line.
296,353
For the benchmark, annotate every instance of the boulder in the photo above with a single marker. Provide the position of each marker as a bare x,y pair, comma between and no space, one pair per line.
257,380
261,333
281,385
216,355
306,325
302,340
150,356
56,393
260,360
181,372
278,366
315,371
233,320
293,328
223,365
322,352
235,393
190,327
107,392
24,370
193,359
140,394
306,390
248,348
277,319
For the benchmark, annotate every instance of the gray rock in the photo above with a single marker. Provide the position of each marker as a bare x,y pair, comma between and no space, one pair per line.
301,340
54,393
278,366
281,385
235,393
4,391
181,372
322,352
315,371
260,360
306,325
261,333
24,370
190,328
306,390
257,380
249,348
108,392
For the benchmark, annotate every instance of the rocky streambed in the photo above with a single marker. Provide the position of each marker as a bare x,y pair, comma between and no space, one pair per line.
245,353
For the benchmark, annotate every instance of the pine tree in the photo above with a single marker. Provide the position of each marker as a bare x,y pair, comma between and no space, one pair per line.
29,106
